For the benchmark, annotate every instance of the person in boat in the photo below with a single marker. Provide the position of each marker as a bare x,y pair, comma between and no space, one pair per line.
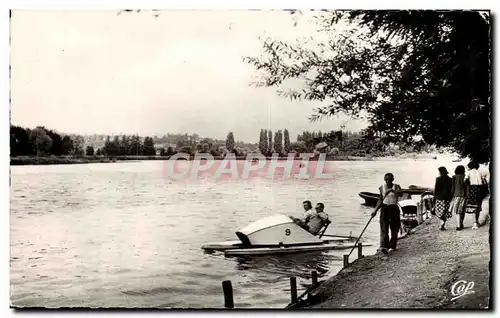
389,213
458,192
316,222
313,220
442,194
477,190
308,212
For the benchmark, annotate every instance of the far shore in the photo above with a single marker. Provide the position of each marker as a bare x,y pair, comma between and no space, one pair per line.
64,160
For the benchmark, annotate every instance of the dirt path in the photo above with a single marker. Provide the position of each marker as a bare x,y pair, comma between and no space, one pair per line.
420,274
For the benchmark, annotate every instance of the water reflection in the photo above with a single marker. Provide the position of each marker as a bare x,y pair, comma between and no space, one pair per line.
300,264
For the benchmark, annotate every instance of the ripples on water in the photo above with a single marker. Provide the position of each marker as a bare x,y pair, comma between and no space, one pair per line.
122,235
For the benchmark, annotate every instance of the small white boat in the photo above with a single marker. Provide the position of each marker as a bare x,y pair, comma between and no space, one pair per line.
278,234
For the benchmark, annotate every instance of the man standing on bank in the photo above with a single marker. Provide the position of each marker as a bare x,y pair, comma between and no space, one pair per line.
389,214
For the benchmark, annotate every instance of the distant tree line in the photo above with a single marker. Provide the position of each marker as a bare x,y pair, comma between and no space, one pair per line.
41,141
127,146
45,142
215,147
353,143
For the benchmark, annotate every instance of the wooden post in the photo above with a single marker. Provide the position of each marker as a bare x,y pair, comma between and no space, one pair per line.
293,289
228,294
360,250
346,260
314,277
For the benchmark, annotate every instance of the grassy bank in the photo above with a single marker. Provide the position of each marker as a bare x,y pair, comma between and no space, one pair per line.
419,274
53,160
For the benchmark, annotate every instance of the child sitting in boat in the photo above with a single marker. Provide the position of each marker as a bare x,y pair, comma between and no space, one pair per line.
308,212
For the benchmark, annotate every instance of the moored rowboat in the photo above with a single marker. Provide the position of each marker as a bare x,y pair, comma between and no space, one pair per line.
370,198
420,188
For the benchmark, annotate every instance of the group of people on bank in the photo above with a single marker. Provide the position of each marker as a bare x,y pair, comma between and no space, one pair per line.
463,193
460,194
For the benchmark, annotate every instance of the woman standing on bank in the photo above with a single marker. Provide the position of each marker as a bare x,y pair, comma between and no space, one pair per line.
457,205
442,194
478,190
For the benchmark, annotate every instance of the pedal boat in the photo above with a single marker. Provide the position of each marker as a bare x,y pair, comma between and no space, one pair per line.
278,234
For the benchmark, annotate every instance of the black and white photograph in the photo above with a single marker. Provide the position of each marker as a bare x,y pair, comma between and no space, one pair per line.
293,159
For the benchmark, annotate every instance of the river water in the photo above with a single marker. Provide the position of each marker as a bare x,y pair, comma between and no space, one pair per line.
123,235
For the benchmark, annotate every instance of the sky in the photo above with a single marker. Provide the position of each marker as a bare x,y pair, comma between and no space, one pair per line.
99,72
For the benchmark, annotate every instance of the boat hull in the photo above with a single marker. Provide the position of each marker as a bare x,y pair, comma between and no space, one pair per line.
234,248
289,249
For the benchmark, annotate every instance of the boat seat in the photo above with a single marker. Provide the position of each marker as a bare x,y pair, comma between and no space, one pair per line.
405,196
408,217
427,202
323,230
427,193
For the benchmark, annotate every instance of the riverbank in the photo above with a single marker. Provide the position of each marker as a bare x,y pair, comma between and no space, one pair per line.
53,160
419,274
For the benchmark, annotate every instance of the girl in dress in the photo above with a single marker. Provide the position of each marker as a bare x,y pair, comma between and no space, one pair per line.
442,194
478,190
457,205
